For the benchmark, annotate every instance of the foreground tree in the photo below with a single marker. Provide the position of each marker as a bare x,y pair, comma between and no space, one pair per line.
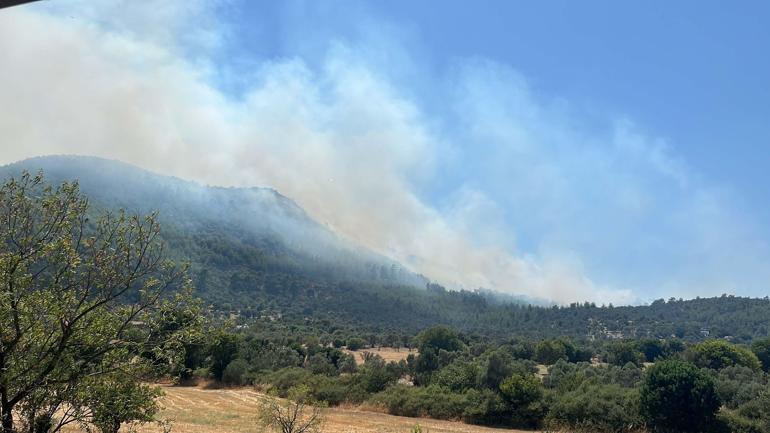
113,401
677,396
78,300
296,415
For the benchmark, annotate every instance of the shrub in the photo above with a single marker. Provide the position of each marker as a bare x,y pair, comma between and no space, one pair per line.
374,379
549,351
757,411
330,390
718,354
201,373
285,379
433,401
346,364
355,343
235,372
761,349
497,366
623,352
438,338
523,392
320,364
677,395
733,422
565,376
457,376
485,407
738,385
595,408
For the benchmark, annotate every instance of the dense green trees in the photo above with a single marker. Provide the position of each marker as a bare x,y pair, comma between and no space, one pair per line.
224,349
761,349
596,408
623,352
83,304
678,396
524,392
481,381
439,338
718,354
549,351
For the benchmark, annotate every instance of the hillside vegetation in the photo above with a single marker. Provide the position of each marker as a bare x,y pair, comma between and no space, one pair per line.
258,257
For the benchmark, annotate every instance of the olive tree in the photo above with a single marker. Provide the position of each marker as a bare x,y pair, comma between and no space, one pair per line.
78,299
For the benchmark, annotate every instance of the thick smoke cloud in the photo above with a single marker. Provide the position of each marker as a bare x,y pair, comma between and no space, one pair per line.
358,153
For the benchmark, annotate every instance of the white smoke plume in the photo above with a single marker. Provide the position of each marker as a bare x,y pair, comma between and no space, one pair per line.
133,81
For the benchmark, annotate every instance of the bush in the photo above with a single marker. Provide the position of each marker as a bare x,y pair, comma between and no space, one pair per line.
439,338
285,379
549,351
524,392
497,366
565,376
201,373
718,354
434,401
457,376
732,422
485,407
738,385
623,352
346,364
375,378
320,364
676,395
652,349
330,390
355,343
521,389
235,373
761,348
757,411
595,408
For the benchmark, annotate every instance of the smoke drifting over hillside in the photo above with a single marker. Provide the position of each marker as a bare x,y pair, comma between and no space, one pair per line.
359,154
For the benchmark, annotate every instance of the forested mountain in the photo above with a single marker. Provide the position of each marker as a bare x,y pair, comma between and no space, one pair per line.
256,255
236,238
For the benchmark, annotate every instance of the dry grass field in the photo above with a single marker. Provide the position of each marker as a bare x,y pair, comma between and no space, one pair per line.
200,410
387,353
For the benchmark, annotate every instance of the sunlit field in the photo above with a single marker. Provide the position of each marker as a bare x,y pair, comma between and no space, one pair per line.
201,410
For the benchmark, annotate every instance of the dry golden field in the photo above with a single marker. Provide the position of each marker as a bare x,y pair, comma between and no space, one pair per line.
387,353
200,410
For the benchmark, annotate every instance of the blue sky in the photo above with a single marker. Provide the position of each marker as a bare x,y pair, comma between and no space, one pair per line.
596,150
693,71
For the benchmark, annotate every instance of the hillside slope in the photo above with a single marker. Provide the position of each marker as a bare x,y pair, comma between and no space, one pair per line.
255,254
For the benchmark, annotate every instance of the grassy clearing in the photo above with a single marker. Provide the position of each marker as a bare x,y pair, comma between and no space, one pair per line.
200,410
387,353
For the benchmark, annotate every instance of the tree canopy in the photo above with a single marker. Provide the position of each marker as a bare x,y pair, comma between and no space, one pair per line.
79,301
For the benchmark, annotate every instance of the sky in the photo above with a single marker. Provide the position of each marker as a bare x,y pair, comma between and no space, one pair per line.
598,150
